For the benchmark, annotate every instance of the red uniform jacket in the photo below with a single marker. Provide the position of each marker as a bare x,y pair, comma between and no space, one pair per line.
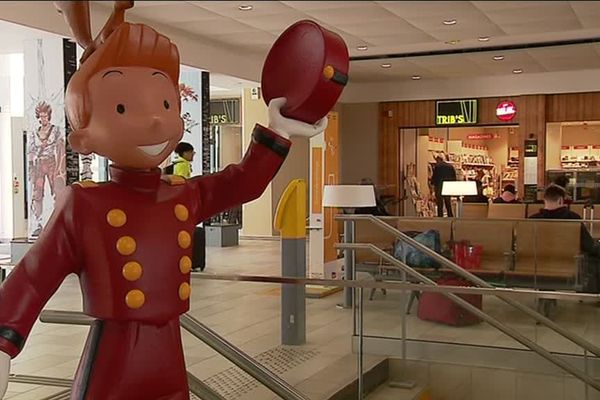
129,240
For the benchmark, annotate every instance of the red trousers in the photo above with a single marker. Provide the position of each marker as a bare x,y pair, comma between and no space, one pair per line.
132,361
45,168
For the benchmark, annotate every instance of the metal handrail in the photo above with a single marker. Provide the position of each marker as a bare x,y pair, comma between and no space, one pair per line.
368,284
62,395
201,389
513,333
210,338
592,348
240,359
40,380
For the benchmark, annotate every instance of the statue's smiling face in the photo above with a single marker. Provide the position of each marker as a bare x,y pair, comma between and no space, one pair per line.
135,117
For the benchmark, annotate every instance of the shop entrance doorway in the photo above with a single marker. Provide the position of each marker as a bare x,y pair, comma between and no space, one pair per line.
486,154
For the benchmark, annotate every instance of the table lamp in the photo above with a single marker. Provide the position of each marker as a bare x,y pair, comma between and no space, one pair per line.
349,196
459,189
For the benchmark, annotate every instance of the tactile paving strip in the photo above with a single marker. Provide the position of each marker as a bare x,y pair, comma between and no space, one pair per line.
233,383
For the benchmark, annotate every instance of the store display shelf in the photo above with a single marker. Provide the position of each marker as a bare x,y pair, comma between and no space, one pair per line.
479,165
580,161
449,162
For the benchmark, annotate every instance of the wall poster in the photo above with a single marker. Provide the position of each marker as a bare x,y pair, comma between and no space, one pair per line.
46,126
190,91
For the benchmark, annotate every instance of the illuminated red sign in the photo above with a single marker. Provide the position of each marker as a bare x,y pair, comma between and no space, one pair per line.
480,136
506,111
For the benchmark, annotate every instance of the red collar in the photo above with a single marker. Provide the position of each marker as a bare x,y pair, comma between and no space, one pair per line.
134,179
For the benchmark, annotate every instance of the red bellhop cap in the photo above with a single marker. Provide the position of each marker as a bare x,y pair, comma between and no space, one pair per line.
308,65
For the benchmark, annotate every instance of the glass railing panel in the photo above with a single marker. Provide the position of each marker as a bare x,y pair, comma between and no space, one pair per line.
439,356
527,254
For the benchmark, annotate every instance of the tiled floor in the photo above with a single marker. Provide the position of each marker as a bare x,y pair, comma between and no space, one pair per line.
248,314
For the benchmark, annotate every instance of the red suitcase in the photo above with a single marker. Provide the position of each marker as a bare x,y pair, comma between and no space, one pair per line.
438,308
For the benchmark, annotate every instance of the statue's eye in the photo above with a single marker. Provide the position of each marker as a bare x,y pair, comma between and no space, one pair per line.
166,104
120,108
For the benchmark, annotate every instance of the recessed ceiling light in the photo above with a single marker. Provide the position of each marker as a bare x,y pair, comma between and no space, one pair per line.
498,58
386,65
361,48
245,7
517,71
449,22
453,42
415,77
483,38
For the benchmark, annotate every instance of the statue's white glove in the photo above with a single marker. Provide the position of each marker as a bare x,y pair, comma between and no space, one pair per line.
4,372
288,127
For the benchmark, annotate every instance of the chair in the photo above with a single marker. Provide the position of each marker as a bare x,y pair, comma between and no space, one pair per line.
475,210
496,238
577,208
547,254
507,211
534,208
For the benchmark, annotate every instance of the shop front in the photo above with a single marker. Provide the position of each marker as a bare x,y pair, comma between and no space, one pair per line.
478,137
527,141
573,155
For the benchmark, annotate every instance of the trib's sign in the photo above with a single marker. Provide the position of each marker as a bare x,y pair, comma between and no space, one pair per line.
225,112
456,112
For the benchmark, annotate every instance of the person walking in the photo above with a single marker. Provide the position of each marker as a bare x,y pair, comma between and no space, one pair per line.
442,172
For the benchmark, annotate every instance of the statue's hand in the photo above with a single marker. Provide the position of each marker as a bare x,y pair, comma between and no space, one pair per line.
287,127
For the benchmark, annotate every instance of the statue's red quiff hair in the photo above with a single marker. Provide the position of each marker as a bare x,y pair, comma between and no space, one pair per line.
129,45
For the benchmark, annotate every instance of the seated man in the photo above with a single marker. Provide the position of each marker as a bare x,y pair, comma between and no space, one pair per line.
379,208
555,208
508,196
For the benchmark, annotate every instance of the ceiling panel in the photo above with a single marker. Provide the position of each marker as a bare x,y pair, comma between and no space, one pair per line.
404,38
585,9
424,9
273,24
540,26
318,5
464,32
539,11
567,57
371,71
248,38
230,8
215,27
396,27
512,60
516,6
152,3
173,13
353,12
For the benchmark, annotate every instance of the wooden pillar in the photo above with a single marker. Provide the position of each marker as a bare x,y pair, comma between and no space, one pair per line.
389,151
532,124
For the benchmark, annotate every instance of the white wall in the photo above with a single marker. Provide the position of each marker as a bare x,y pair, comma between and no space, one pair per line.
12,222
553,145
358,142
256,215
18,198
6,204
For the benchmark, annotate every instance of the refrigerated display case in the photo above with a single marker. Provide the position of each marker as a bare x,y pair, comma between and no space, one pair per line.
584,185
